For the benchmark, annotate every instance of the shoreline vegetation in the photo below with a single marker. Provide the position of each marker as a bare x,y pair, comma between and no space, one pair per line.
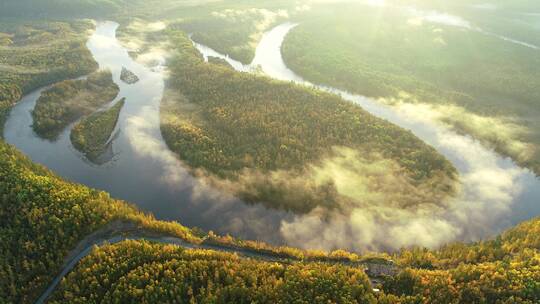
38,53
357,53
219,61
91,135
63,213
271,141
67,101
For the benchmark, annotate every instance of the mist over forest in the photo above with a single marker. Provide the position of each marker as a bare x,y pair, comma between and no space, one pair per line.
289,151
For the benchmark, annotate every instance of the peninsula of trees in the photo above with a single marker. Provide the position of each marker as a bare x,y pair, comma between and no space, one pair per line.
67,101
262,134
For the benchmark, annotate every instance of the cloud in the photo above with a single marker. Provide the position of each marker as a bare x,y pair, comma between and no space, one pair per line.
485,195
374,211
140,132
155,56
379,208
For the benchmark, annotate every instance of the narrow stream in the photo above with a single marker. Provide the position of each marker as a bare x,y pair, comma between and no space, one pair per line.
495,193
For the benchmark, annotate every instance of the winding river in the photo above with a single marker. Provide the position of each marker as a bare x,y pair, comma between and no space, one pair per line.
494,193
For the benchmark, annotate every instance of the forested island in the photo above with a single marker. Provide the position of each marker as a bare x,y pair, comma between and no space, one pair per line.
52,213
259,133
91,135
37,53
233,126
67,101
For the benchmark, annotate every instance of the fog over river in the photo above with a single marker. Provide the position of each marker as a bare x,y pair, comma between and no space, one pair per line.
494,192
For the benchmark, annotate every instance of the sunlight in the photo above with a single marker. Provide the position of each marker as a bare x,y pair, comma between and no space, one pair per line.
290,151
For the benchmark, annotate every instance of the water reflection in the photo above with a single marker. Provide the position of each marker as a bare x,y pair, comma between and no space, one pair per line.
494,192
142,170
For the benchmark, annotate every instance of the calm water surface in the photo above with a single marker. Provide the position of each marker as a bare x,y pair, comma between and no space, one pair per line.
142,169
495,192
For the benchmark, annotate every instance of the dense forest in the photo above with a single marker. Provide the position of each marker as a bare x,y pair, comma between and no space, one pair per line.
283,128
227,122
44,217
59,8
38,53
67,101
233,32
40,211
91,135
347,46
503,270
141,272
230,27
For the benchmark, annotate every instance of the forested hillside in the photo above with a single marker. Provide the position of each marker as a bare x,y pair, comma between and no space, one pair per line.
504,270
44,217
148,273
40,212
251,129
235,32
232,27
91,135
37,53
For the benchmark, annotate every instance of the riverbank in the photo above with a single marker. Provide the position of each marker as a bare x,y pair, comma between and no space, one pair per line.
472,213
67,101
287,146
61,58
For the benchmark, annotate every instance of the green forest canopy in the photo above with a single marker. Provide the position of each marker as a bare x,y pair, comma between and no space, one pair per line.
43,217
67,101
384,51
226,122
38,53
504,270
91,135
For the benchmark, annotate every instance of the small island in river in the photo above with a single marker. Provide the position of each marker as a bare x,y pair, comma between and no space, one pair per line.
128,76
69,100
91,135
